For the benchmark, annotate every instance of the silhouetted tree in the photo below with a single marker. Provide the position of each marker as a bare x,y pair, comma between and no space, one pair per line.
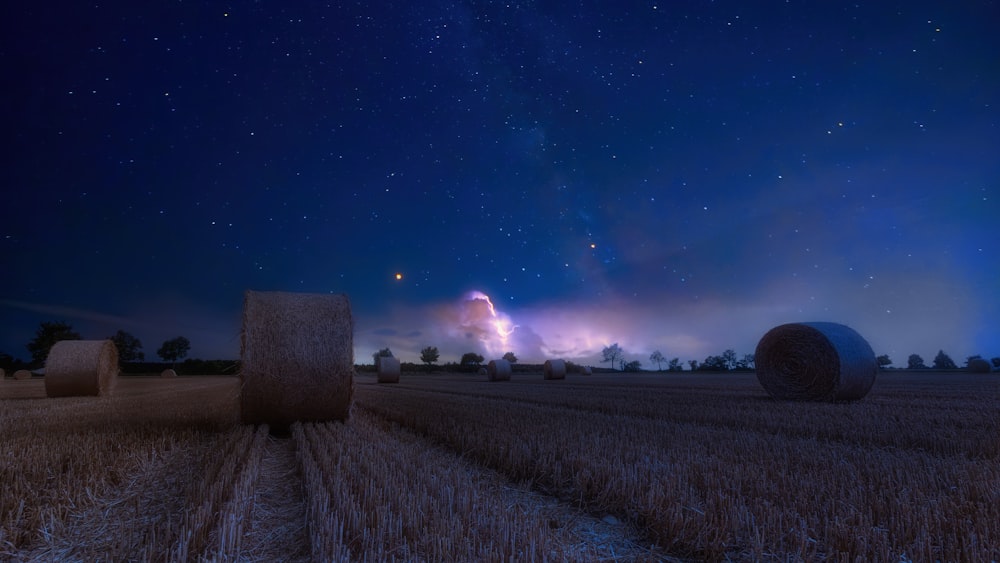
471,359
995,362
429,355
634,365
675,365
612,354
174,349
510,357
46,336
383,353
728,360
129,347
915,362
749,361
657,357
713,363
693,364
943,361
883,361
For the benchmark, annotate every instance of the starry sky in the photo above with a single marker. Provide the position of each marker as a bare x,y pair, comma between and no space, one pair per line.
547,177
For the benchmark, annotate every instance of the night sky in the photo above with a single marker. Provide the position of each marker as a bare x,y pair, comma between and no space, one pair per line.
677,176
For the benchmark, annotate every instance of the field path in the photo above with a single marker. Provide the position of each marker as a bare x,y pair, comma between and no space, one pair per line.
277,530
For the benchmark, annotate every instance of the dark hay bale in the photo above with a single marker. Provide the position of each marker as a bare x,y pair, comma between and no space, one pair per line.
22,374
554,369
498,370
388,370
817,361
169,372
80,368
482,371
585,370
297,357
979,365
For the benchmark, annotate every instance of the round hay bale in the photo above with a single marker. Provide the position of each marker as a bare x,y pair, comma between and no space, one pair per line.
22,374
979,365
817,361
554,369
80,368
498,370
3,374
585,370
482,371
297,357
388,370
169,372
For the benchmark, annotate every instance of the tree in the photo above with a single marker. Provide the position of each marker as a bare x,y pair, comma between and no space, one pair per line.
612,354
634,365
657,357
943,361
675,365
471,359
510,357
174,349
429,355
749,361
46,336
129,347
693,364
714,363
383,353
995,362
883,361
915,362
970,358
728,360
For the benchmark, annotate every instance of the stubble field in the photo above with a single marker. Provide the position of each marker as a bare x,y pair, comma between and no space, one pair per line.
452,468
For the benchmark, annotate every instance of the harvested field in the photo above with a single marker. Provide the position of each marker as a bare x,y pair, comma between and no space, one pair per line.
672,467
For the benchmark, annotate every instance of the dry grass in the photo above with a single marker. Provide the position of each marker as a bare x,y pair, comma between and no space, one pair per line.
678,467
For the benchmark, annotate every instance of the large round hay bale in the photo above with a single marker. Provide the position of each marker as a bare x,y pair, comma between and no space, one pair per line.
81,367
979,365
297,357
169,372
585,370
554,369
498,370
817,361
22,374
388,370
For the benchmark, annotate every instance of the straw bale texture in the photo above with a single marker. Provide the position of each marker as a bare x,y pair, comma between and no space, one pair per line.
979,365
22,374
297,352
388,370
816,361
498,370
80,368
554,369
169,372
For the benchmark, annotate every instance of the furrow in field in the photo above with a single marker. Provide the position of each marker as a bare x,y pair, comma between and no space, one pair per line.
710,492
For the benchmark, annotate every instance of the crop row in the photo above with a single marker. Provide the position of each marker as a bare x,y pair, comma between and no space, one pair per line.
712,492
376,492
950,419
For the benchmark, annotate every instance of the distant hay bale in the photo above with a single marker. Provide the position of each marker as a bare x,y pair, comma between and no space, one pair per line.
297,357
22,374
388,370
169,372
979,365
498,370
482,371
554,369
817,361
81,368
585,370
3,374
